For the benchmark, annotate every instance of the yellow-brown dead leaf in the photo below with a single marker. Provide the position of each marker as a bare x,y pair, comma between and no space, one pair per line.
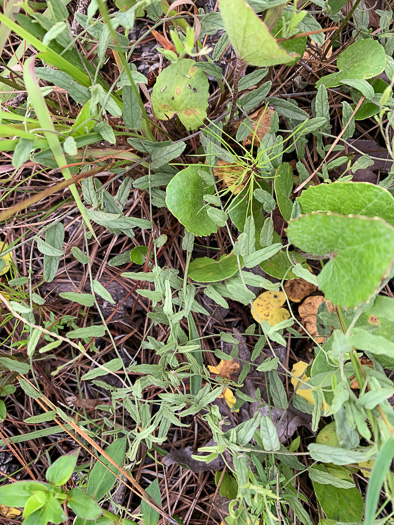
261,125
233,176
308,312
229,397
6,258
300,387
297,289
267,307
9,512
225,368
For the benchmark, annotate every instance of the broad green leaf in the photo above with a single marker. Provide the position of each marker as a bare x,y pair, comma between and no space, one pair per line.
14,365
101,480
250,37
100,290
283,187
269,435
379,471
81,298
111,366
361,251
336,455
185,200
280,265
83,505
206,270
325,478
150,516
338,503
369,109
181,89
259,256
336,5
369,342
17,494
362,60
89,331
60,471
349,198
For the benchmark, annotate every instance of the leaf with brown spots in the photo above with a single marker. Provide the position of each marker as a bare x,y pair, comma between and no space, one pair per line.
267,307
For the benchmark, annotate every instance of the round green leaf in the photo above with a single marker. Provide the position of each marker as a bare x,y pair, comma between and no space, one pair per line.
185,200
349,198
205,270
362,251
363,59
250,37
181,89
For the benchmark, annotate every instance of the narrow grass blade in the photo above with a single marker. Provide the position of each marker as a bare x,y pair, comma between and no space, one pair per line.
44,117
379,471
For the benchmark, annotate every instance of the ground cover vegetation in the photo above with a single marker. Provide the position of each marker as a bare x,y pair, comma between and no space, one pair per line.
196,246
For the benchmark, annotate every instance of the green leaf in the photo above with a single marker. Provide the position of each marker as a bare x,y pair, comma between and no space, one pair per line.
369,342
362,251
100,290
250,37
338,503
379,471
83,505
216,296
150,516
362,60
79,255
181,89
336,5
81,298
132,115
14,365
288,109
269,435
206,270
361,85
3,410
22,152
336,455
349,198
283,188
138,254
259,256
185,200
61,470
89,331
55,238
111,366
47,249
325,478
42,418
101,480
17,494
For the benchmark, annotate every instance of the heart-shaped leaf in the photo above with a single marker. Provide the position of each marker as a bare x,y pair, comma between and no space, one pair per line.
185,199
206,270
363,59
362,251
181,89
349,198
250,37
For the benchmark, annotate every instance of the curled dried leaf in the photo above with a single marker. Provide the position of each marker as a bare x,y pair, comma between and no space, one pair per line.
308,312
225,368
267,307
298,289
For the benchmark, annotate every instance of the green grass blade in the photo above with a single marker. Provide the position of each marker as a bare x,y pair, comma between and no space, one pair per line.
38,102
379,471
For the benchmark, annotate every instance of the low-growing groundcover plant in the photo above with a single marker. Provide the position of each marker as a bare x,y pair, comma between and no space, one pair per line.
196,254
